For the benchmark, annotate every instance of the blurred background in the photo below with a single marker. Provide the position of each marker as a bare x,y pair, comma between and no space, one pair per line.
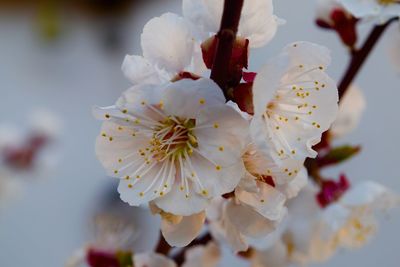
65,57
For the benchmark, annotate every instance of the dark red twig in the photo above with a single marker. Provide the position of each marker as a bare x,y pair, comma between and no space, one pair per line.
359,56
225,39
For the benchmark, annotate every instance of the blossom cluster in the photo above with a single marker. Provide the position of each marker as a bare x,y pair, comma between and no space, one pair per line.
233,157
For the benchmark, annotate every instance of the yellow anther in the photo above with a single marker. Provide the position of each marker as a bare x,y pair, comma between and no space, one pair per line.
216,125
110,138
141,194
218,167
221,148
130,185
124,111
202,101
107,116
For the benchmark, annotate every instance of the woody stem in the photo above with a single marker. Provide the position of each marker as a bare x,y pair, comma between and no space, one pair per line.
226,37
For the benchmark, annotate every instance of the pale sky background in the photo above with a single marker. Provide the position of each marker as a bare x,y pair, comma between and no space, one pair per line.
48,221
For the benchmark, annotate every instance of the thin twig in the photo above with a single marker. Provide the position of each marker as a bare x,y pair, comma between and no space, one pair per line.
359,57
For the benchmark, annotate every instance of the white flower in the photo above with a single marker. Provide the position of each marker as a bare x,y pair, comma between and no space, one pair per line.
351,108
257,22
381,9
178,144
168,48
295,101
304,236
351,219
203,256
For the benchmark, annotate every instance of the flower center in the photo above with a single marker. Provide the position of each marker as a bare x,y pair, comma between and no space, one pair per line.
173,138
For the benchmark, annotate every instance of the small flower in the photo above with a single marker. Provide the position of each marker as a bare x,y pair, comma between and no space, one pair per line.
351,107
381,9
178,144
257,22
203,256
295,101
168,49
351,219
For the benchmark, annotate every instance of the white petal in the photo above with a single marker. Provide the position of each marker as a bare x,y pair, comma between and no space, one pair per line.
185,98
139,70
213,178
369,194
137,191
204,15
248,183
268,202
185,231
152,260
167,42
325,7
222,133
304,103
257,22
351,108
225,232
292,188
180,202
203,256
276,256
248,221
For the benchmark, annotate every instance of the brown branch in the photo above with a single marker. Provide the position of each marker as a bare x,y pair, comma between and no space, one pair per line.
359,56
225,39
